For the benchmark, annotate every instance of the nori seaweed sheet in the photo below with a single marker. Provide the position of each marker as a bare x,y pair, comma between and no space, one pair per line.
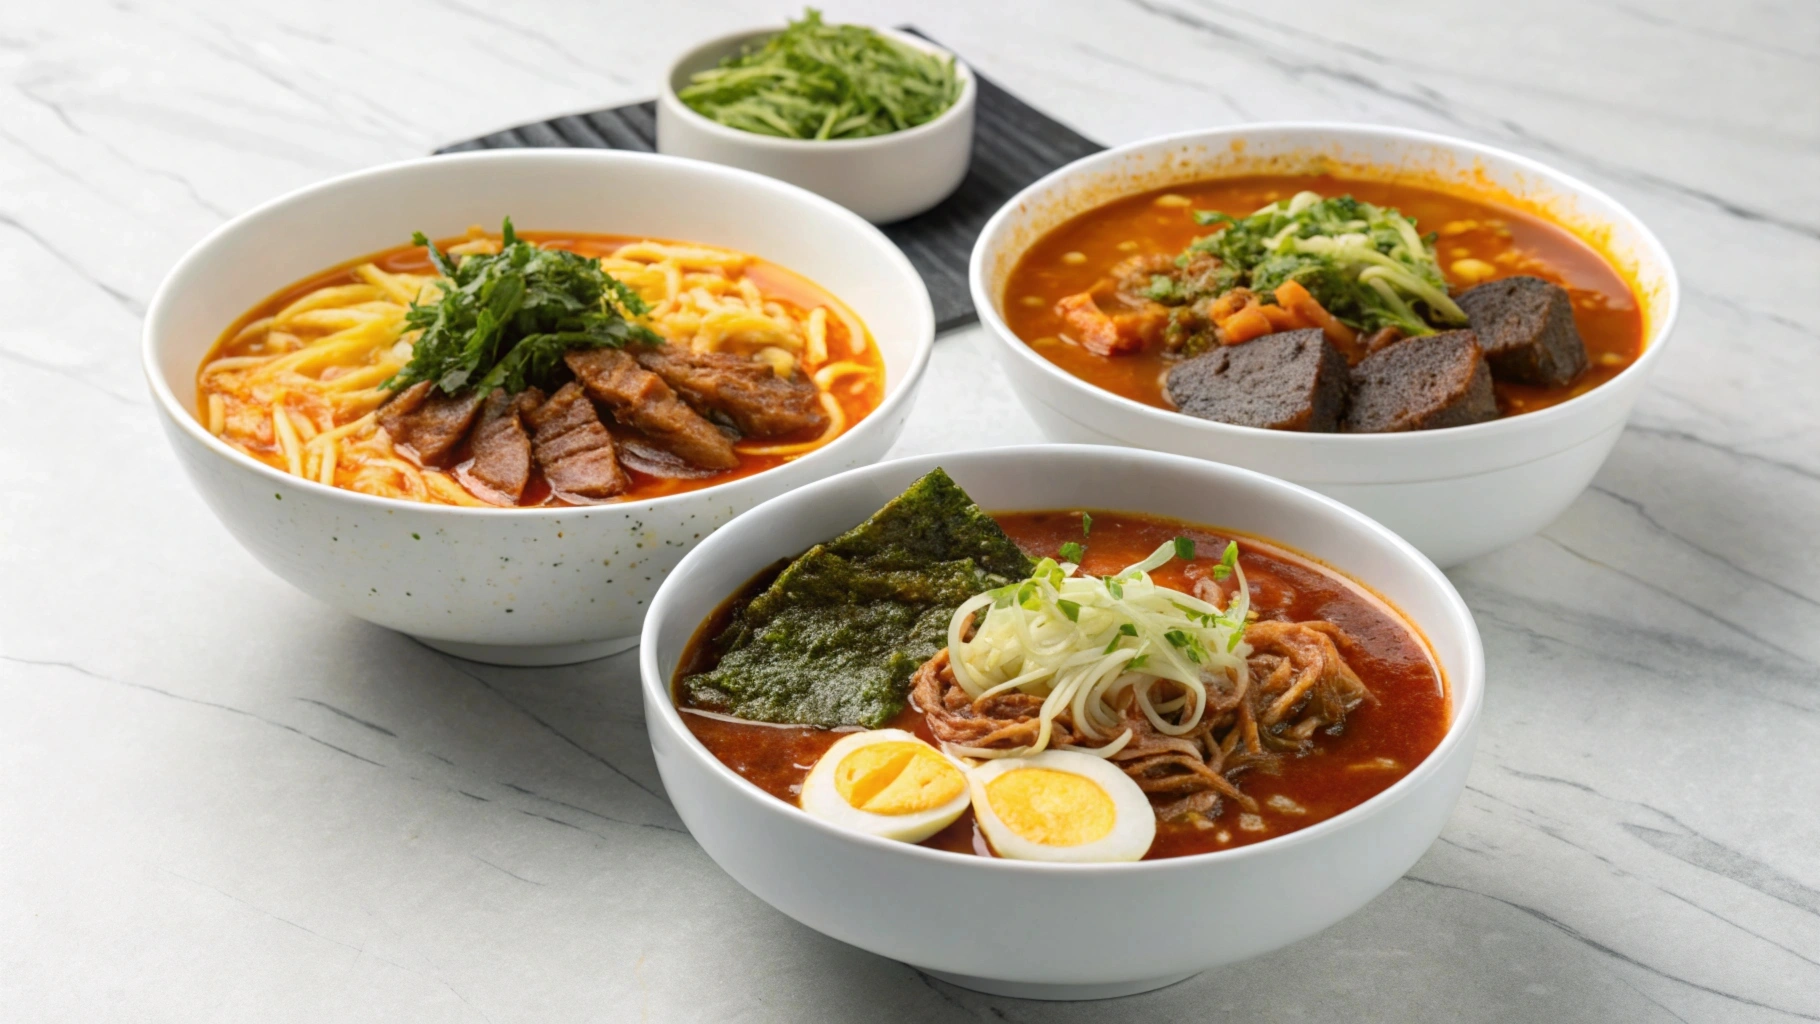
836,637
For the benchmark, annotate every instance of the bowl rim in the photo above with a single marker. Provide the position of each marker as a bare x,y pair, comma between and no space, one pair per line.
668,99
1466,685
1653,344
923,331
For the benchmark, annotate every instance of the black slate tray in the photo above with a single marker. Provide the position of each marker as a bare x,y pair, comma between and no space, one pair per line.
1013,145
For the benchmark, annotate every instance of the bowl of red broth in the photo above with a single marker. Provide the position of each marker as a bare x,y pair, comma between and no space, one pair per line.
1444,335
1067,722
489,400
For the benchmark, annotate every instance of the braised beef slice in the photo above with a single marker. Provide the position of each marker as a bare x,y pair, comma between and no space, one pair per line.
572,448
1526,327
427,425
1291,380
641,400
759,402
501,465
1439,380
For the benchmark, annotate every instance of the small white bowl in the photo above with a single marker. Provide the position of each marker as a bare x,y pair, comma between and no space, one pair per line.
1454,493
511,586
882,178
1063,931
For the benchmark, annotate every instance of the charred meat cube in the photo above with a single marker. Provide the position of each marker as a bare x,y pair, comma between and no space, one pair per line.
427,425
1291,380
1438,380
1526,327
749,392
641,400
501,465
572,448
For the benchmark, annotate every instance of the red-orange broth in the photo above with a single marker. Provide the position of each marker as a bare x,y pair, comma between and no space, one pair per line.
1070,258
1384,739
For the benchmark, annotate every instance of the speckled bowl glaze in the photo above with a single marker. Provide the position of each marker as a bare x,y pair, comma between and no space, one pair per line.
1045,930
1454,493
511,586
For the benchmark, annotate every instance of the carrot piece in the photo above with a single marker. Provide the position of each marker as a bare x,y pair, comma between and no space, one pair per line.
1245,325
1292,295
1282,318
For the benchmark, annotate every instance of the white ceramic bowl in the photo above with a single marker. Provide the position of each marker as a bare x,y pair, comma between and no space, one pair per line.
515,586
1062,931
1453,493
883,178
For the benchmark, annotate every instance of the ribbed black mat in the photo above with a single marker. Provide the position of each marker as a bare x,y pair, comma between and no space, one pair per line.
1013,145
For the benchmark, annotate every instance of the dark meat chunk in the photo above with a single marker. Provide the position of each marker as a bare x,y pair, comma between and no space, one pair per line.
759,402
1291,380
574,451
1439,380
425,425
501,465
641,400
1526,327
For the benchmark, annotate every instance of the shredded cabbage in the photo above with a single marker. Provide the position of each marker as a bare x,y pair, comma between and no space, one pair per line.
1092,645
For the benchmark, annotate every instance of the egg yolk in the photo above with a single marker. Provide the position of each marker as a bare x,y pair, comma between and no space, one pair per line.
897,778
1052,808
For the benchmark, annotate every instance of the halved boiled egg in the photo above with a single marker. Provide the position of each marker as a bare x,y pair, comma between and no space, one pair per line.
886,783
1061,806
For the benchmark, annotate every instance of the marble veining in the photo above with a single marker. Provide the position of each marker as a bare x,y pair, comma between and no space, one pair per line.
220,800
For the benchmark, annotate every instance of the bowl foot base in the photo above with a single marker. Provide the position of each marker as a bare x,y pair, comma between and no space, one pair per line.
1040,990
533,655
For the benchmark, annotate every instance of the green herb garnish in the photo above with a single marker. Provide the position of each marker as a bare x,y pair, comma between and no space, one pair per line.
819,81
1363,263
1086,524
1073,552
1228,560
1184,549
504,320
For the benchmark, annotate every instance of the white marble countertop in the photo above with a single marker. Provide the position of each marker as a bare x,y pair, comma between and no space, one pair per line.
221,801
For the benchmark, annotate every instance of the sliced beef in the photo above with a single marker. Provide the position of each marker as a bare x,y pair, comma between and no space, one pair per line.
572,448
428,425
1439,380
759,402
1526,327
501,465
641,400
1291,380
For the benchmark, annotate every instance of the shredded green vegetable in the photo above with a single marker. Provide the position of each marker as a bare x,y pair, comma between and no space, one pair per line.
820,81
1363,263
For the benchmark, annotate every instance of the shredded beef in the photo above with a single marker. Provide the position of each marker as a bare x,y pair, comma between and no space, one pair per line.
641,400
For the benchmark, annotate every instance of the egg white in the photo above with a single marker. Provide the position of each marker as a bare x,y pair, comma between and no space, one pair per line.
1133,827
821,798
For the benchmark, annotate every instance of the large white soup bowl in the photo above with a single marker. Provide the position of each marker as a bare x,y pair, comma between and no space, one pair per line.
1063,931
1454,493
514,586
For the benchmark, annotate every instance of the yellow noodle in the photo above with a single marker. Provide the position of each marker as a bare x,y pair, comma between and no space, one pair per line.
325,298
287,437
399,288
815,352
217,414
305,427
365,377
826,376
330,456
686,256
235,363
346,429
252,330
